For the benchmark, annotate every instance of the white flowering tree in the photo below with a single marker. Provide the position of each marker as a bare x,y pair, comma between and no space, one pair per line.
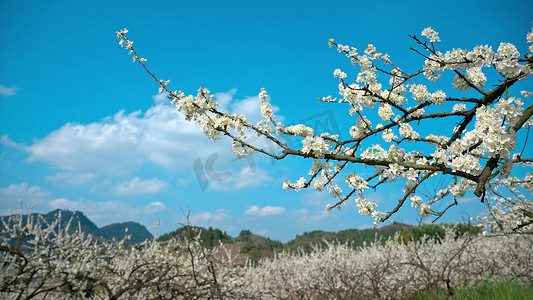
481,154
43,260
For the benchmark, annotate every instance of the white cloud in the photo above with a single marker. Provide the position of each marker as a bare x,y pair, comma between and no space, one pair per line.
307,217
469,199
184,181
248,177
315,198
154,207
137,186
71,178
251,108
266,211
64,203
8,142
8,91
123,143
160,98
16,195
224,98
171,142
107,147
205,217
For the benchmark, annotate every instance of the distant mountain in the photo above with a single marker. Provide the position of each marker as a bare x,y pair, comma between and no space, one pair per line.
138,232
77,220
210,237
253,246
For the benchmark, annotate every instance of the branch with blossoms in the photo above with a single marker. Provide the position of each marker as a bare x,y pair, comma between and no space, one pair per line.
479,154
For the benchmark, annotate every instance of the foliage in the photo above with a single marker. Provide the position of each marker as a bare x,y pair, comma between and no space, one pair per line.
437,231
244,236
209,237
180,233
255,247
478,152
482,291
358,238
138,232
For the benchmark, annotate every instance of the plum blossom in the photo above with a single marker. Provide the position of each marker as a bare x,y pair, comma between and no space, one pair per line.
385,111
388,135
365,207
477,150
407,131
300,130
476,76
459,107
431,34
356,182
420,92
316,145
339,73
438,97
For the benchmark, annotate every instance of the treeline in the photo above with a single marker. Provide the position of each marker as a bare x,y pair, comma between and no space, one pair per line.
256,247
437,231
358,238
210,237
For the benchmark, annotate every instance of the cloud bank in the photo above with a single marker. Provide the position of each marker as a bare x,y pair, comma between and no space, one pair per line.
266,211
121,144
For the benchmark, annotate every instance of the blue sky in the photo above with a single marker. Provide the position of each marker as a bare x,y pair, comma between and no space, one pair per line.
83,128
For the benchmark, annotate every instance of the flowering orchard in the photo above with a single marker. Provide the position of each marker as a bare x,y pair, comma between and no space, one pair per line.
48,261
481,154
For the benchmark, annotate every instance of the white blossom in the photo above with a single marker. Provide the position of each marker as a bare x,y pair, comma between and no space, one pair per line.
388,135
339,73
420,92
300,130
356,182
431,34
407,131
459,107
385,111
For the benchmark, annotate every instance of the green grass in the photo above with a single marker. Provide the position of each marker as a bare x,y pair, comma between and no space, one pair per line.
483,291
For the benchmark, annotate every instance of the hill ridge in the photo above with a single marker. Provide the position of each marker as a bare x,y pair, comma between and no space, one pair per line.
78,219
248,244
